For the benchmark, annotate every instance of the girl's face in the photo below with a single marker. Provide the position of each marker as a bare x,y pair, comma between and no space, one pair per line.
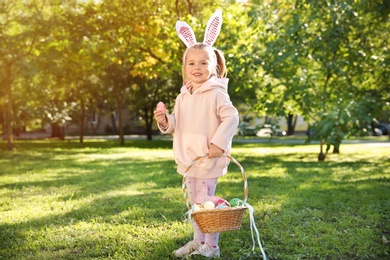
199,66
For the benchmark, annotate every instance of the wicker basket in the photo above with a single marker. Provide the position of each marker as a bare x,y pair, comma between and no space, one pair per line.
218,220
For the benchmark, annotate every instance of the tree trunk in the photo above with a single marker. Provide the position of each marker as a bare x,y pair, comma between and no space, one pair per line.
57,131
322,155
3,124
148,122
336,148
82,119
8,110
291,123
62,127
120,126
113,123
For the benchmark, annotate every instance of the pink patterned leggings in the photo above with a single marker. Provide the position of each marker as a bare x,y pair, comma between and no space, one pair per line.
198,189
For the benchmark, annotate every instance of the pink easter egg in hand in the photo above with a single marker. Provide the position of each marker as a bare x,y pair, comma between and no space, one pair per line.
161,107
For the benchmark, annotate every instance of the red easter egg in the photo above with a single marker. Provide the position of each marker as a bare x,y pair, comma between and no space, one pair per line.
222,202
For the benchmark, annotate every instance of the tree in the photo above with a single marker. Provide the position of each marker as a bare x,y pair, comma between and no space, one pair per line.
119,27
61,60
19,34
78,61
321,60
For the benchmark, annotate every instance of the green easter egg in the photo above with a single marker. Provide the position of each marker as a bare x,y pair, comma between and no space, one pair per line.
236,202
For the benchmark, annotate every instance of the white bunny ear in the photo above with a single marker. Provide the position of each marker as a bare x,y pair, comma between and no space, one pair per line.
185,33
213,28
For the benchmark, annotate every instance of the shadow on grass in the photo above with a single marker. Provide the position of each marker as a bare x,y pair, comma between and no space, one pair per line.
303,208
319,204
129,211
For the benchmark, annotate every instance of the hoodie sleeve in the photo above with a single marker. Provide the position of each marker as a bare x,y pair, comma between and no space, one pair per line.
171,125
170,129
228,115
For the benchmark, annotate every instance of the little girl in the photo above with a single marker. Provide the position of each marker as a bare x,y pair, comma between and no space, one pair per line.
204,122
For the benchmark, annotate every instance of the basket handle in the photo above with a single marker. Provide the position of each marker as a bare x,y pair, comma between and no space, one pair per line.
183,184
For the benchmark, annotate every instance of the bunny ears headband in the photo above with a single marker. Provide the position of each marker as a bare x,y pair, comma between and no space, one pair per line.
213,28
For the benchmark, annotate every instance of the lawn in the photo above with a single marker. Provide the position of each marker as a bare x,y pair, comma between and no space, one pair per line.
99,200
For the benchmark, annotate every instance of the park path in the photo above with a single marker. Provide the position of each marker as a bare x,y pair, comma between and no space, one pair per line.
42,135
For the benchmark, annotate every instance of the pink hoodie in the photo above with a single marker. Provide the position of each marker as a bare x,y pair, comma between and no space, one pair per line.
199,119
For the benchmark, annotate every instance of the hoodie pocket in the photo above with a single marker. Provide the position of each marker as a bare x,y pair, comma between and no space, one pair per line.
193,145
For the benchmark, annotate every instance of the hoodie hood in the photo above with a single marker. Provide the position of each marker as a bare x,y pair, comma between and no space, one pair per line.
212,83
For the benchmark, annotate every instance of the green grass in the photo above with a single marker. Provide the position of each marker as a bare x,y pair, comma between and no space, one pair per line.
98,200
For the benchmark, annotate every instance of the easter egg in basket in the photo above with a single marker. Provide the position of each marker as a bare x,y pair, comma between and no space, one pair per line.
236,202
208,205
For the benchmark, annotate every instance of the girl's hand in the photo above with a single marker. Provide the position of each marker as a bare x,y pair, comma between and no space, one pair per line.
161,118
215,151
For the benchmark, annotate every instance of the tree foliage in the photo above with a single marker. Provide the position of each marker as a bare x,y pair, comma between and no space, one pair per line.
327,61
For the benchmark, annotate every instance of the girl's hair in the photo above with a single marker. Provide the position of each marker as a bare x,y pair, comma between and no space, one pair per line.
219,59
